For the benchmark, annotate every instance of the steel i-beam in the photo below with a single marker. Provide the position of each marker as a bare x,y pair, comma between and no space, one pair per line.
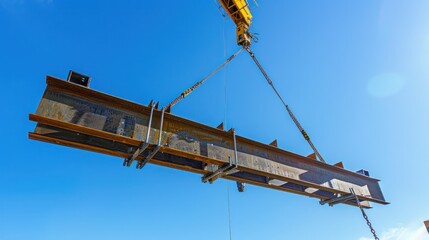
79,117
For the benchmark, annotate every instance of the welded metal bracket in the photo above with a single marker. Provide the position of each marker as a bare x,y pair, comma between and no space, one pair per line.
227,169
211,177
342,199
155,150
145,144
151,154
351,198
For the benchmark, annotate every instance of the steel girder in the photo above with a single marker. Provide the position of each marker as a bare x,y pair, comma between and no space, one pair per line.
79,117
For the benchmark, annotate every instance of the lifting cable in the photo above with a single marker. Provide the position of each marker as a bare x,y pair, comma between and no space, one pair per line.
229,210
199,83
301,129
196,85
225,122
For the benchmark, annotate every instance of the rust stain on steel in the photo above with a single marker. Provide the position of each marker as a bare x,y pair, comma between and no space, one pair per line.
75,116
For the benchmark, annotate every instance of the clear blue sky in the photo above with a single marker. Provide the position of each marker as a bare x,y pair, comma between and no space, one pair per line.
356,73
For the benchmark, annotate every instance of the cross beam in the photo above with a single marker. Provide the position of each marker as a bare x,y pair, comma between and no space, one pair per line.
79,117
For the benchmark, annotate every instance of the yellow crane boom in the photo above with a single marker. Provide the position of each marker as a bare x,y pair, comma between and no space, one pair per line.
239,12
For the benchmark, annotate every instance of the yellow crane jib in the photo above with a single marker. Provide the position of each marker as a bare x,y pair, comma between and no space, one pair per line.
239,12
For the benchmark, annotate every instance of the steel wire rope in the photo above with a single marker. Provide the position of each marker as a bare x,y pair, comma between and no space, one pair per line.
199,83
225,109
294,119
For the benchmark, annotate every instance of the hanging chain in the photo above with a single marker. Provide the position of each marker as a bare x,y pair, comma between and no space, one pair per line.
366,218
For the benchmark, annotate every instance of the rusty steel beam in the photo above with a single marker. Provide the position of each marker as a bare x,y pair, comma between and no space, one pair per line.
79,117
